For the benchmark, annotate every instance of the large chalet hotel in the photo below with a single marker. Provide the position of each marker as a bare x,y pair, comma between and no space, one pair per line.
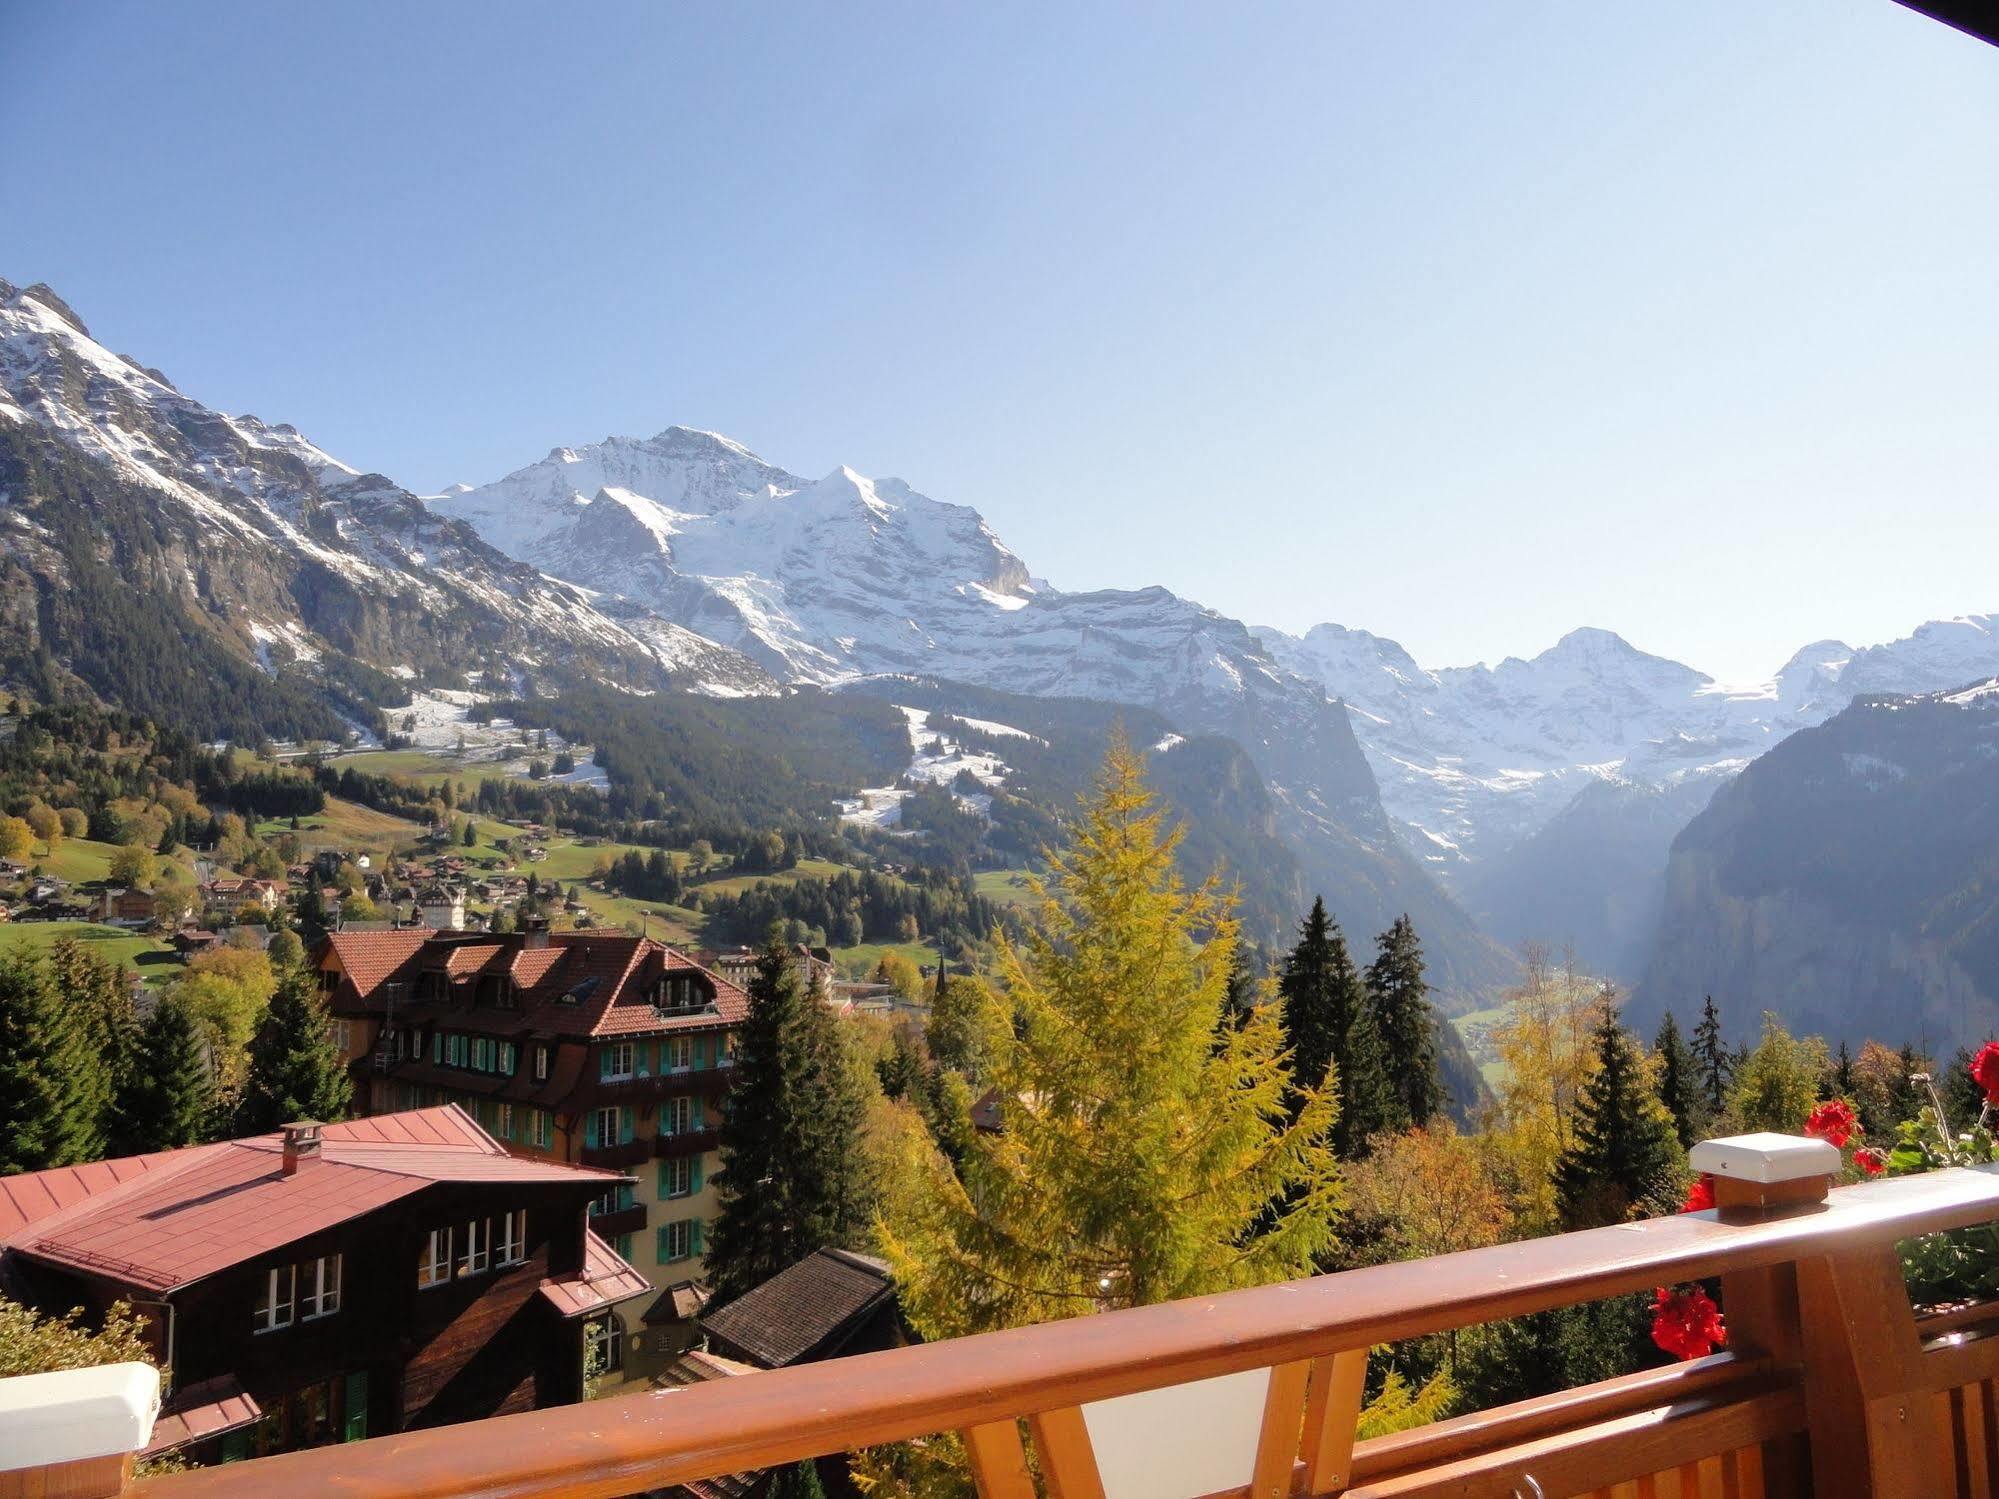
598,1049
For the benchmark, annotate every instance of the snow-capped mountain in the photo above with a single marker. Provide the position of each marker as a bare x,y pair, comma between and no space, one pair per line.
242,538
1544,790
845,577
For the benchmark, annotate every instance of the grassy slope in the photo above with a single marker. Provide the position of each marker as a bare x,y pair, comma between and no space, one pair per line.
152,958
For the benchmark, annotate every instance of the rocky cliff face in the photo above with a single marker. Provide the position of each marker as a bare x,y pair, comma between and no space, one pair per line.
1848,880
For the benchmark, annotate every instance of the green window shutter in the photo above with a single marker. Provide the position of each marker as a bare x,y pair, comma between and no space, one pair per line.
694,1175
603,1061
590,1128
700,1052
624,1126
660,1180
356,1426
659,1249
694,1238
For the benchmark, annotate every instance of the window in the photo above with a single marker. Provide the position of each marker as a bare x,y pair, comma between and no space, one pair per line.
603,1346
508,1055
679,1054
617,1062
478,1248
541,1064
676,1178
503,1120
679,1240
610,1126
454,1051
623,1244
275,1301
437,1046
504,995
676,1116
538,1131
513,1240
340,1033
434,1269
612,1201
319,1287
482,1054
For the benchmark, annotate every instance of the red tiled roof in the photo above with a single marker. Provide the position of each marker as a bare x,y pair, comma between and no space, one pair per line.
580,984
189,1213
201,1411
606,1279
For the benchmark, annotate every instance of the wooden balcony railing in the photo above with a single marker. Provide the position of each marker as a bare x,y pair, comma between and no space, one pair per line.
1831,1386
630,1153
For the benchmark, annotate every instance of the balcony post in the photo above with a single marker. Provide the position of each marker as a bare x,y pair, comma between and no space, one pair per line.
75,1434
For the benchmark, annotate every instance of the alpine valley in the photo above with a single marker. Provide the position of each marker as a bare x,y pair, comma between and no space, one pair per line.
227,575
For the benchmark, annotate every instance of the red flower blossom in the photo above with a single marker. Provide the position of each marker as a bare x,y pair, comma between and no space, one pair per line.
1686,1323
1985,1069
1700,1196
1870,1162
1833,1122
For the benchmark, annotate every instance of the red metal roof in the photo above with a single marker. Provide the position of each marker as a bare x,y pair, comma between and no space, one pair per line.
201,1411
606,1279
190,1213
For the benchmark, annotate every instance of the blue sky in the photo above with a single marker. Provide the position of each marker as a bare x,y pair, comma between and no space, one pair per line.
1463,323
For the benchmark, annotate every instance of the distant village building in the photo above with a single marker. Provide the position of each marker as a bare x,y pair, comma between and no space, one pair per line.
599,1048
441,907
830,1303
330,1282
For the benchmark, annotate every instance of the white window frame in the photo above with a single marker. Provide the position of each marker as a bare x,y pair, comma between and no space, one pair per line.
279,1303
509,1058
539,1131
682,1230
478,1251
322,1289
541,1064
503,1120
605,1344
676,1115
679,1053
512,1245
680,1177
434,1269
616,1116
624,1062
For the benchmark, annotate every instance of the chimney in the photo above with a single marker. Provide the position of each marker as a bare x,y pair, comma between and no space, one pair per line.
301,1144
534,932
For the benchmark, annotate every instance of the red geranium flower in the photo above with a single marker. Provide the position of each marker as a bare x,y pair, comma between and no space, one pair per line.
1700,1196
1985,1069
1687,1324
1832,1122
1870,1162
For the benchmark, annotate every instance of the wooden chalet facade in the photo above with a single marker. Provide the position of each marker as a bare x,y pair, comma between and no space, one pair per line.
331,1282
600,1049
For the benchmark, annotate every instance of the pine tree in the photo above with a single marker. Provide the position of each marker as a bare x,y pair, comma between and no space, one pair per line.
1840,1083
169,1099
102,999
1142,1143
792,1174
1400,1001
52,1086
1679,1083
1623,1146
1712,1068
294,1072
1328,1028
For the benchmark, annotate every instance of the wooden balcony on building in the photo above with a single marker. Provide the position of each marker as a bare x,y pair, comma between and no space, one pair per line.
631,1153
631,1220
687,1142
1832,1386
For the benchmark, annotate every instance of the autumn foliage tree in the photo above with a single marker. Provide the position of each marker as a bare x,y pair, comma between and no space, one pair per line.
1143,1143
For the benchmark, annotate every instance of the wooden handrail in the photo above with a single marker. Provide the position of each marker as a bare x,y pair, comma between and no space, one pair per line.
624,1445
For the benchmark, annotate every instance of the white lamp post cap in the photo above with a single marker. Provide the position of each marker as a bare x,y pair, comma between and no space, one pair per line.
76,1414
1766,1158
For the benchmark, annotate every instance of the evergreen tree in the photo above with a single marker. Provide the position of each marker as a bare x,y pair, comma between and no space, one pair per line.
294,1072
1400,1001
52,1087
169,1099
1712,1070
1679,1082
1139,1160
799,1481
1328,1027
1777,1084
1623,1147
792,1173
102,999
1839,1084
1245,991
